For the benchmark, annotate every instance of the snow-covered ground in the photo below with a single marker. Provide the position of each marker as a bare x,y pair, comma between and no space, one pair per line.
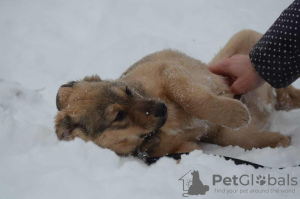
45,43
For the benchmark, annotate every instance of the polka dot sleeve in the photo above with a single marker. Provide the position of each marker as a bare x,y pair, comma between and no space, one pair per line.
276,57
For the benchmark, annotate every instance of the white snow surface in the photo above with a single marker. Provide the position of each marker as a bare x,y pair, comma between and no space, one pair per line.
45,43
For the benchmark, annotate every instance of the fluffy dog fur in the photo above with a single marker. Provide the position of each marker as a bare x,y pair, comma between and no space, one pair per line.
175,99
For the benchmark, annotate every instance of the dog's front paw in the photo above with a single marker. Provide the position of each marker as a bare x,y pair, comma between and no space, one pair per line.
280,140
238,115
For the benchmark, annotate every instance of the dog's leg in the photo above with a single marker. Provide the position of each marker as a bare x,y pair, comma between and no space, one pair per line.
163,143
247,138
287,98
188,147
240,43
200,103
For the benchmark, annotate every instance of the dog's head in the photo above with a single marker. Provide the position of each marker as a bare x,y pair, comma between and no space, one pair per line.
111,114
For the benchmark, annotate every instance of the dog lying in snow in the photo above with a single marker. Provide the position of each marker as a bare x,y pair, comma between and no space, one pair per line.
168,102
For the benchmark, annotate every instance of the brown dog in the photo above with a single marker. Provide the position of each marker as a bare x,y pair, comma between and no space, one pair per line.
167,102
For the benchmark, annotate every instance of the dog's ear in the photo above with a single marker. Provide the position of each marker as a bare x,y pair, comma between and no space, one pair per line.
63,126
93,78
63,95
66,89
67,129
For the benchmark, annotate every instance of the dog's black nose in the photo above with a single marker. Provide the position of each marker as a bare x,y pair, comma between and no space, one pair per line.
161,110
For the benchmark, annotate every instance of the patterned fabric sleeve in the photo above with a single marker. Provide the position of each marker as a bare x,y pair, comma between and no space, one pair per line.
276,57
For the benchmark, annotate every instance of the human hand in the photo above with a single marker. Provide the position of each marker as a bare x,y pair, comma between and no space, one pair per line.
241,75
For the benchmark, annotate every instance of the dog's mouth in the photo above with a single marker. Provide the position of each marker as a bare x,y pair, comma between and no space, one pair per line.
159,125
148,134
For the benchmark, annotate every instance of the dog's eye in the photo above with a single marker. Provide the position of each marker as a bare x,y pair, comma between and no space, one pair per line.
128,92
120,116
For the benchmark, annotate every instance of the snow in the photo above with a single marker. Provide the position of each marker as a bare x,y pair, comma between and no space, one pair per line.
46,43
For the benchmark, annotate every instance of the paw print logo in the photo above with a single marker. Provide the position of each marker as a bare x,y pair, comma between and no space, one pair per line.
261,180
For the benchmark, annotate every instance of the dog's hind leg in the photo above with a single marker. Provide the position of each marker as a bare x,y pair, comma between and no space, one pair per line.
287,98
247,138
240,43
188,147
